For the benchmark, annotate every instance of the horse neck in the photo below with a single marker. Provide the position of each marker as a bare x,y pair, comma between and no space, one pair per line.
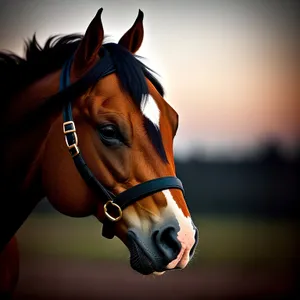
21,155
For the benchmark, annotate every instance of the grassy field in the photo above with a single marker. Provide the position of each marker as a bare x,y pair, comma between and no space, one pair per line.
223,240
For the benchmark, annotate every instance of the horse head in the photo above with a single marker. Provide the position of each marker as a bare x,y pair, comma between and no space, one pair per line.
119,132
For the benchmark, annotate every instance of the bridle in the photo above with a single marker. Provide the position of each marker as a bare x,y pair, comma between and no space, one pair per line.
102,68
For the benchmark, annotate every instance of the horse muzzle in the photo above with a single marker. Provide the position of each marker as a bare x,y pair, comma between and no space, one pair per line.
155,252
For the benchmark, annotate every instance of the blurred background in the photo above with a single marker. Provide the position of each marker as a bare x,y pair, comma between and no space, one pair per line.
231,70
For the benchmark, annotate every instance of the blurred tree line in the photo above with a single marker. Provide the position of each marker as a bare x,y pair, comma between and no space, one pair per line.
266,184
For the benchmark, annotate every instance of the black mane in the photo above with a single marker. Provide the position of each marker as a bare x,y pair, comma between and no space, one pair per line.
17,73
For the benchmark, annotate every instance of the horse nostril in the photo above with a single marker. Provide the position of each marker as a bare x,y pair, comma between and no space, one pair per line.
166,241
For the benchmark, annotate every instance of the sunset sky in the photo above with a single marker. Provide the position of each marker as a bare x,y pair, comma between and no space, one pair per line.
229,68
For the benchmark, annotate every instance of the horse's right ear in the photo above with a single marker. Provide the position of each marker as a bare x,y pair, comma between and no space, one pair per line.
89,46
133,38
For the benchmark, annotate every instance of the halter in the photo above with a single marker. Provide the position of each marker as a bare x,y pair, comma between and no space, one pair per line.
102,68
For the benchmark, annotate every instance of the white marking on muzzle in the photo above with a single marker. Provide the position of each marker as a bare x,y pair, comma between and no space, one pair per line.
150,109
186,234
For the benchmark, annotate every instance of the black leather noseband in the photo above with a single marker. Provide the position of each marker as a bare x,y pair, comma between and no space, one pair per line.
102,68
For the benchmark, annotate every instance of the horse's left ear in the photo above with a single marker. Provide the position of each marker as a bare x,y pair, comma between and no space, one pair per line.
89,47
133,38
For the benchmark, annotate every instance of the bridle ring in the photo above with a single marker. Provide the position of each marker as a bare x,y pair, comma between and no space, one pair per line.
113,219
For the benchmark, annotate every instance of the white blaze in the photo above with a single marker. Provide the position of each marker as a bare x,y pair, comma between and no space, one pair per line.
150,109
186,234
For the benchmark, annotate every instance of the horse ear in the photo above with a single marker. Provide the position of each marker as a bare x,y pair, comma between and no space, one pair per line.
89,46
133,38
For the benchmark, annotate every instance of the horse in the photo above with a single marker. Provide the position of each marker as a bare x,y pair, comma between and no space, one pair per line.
85,124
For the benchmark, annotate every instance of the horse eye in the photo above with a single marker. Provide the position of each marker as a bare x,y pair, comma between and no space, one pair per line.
110,135
108,131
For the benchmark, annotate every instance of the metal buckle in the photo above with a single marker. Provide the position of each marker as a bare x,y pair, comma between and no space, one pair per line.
70,130
76,140
113,219
73,131
76,152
